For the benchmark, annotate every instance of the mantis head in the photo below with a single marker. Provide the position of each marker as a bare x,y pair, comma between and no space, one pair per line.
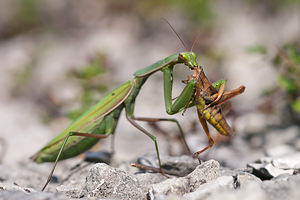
189,59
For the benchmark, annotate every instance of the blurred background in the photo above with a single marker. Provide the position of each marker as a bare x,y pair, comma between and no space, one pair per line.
58,58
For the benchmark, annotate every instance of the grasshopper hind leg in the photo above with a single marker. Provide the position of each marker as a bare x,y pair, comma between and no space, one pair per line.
210,140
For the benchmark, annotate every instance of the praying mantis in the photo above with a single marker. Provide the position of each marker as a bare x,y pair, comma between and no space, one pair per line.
101,120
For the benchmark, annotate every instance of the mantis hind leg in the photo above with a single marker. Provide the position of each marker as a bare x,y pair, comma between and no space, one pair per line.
152,137
109,128
62,148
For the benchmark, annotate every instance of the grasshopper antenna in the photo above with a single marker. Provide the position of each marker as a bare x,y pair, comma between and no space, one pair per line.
176,33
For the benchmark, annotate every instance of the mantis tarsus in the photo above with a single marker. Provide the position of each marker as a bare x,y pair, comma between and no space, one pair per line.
101,120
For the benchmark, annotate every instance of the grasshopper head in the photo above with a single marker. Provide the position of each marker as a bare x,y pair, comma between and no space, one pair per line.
189,59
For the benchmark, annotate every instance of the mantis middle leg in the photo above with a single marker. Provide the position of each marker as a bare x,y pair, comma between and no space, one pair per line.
155,120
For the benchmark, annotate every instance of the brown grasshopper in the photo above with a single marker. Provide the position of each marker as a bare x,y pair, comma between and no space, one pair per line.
208,100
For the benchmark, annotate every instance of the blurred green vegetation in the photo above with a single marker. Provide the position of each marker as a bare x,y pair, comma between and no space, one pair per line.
287,63
23,75
27,13
197,11
91,79
92,83
256,49
37,15
272,5
22,78
33,14
26,17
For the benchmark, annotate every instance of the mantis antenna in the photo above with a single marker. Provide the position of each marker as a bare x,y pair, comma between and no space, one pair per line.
195,42
182,42
176,33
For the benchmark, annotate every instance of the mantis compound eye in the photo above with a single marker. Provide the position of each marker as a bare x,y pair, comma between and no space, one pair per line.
182,57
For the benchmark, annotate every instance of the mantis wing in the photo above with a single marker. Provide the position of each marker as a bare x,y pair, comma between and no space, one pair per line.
156,66
87,121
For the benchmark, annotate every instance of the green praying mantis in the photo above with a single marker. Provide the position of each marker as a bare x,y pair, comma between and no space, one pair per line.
101,120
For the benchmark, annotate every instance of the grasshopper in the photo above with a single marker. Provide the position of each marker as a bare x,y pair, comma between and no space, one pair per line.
208,99
101,120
